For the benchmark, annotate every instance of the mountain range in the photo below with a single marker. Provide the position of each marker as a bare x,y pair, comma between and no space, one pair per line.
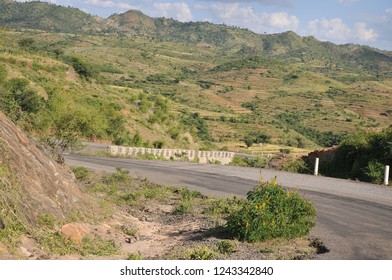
287,45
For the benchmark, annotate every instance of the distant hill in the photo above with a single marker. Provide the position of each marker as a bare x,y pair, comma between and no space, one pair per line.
287,45
237,41
46,16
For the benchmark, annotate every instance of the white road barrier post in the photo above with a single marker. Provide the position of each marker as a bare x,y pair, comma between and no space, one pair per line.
316,166
386,175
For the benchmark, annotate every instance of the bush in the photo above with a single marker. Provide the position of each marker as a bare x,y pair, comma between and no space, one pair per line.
183,208
375,172
83,68
362,156
81,173
227,247
271,211
203,253
256,162
297,165
134,257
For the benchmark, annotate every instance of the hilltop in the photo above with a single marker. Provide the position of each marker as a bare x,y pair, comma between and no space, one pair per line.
46,16
287,46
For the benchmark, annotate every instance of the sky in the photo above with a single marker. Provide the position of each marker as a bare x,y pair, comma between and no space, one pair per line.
365,22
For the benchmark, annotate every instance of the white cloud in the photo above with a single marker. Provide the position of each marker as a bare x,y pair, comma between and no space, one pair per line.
200,7
281,20
336,30
365,34
50,1
109,4
347,2
280,3
179,11
332,29
234,14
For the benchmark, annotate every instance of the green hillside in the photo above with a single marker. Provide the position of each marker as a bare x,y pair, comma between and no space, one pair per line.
158,82
287,46
46,16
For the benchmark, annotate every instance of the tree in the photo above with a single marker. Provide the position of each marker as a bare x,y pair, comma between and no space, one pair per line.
66,134
27,44
18,101
248,141
83,68
137,139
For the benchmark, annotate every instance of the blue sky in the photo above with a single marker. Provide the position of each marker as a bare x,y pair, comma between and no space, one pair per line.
367,22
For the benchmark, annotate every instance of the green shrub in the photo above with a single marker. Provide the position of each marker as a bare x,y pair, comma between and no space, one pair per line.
223,207
46,220
285,151
53,242
81,173
135,257
120,176
227,247
256,162
203,253
183,208
188,194
271,211
362,156
83,68
375,171
296,165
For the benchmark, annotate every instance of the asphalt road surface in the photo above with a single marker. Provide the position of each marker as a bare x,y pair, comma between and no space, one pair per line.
354,219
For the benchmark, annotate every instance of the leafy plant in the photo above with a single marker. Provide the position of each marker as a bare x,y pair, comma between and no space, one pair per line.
183,208
271,211
257,162
375,171
134,257
227,247
83,68
81,173
203,253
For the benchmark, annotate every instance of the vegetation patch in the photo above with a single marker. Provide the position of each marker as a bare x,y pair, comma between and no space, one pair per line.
270,211
361,156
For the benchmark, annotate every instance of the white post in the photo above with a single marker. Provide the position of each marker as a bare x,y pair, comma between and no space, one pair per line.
386,175
316,166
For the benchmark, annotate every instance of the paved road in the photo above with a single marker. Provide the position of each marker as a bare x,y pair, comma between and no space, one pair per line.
354,218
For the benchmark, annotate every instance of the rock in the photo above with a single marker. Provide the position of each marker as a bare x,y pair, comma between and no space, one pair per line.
43,185
24,252
75,231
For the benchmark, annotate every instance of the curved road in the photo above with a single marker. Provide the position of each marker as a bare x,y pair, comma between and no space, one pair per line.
354,219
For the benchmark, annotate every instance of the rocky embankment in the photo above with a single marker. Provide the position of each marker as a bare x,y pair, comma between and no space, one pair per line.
32,186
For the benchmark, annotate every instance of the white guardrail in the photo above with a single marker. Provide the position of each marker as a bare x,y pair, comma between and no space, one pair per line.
220,157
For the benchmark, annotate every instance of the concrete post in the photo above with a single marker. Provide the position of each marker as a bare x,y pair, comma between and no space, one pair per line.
316,166
386,175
